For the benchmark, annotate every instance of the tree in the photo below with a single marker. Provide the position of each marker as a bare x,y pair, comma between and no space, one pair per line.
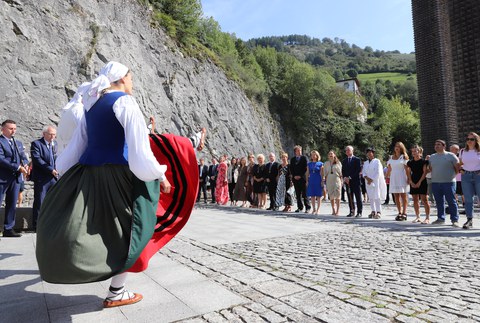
267,60
352,73
180,17
394,121
408,91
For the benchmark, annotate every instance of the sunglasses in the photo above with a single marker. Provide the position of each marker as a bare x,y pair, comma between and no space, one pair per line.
471,139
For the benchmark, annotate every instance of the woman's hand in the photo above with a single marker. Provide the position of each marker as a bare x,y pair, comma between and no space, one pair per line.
165,186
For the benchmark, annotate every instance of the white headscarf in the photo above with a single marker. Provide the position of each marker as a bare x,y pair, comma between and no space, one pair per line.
109,73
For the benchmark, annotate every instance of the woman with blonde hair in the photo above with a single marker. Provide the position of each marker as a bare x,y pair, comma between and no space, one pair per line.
397,172
314,181
259,187
470,163
332,172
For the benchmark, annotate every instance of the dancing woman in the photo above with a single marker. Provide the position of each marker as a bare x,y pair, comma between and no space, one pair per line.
101,218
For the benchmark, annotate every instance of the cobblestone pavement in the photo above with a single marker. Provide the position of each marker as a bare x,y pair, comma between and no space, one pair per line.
353,271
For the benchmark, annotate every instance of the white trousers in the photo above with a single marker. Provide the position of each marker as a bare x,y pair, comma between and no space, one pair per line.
376,205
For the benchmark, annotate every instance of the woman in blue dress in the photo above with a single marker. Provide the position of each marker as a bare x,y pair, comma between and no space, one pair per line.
314,181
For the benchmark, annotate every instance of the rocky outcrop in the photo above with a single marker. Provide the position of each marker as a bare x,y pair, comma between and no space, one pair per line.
49,47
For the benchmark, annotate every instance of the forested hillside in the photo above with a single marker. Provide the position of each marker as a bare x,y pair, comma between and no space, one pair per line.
295,76
342,59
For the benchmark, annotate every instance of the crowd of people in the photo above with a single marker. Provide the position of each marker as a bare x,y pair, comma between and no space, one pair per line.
452,176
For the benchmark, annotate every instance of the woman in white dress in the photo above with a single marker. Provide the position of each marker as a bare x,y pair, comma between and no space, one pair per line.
374,183
397,171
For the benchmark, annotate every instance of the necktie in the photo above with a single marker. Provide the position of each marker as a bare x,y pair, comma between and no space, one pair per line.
12,146
50,151
349,160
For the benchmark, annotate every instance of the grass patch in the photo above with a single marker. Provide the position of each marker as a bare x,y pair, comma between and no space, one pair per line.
393,77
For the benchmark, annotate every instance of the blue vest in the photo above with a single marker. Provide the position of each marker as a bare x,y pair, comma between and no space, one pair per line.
106,136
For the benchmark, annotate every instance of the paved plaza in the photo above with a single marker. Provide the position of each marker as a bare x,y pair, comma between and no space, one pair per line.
242,265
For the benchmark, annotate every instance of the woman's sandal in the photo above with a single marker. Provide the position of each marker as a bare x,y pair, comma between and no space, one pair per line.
126,298
371,215
404,217
378,215
417,220
426,221
399,217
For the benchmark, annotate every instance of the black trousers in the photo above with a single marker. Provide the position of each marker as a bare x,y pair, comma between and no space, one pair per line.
272,192
354,190
301,193
288,197
212,189
202,187
231,189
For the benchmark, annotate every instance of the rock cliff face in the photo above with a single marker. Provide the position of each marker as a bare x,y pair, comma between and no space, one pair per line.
49,47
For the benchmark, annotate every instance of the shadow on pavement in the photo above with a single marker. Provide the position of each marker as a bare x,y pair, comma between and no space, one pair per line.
28,302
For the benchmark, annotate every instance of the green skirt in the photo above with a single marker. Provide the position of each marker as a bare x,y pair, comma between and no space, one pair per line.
94,223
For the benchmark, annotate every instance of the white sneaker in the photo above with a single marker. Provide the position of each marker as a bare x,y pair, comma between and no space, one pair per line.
456,224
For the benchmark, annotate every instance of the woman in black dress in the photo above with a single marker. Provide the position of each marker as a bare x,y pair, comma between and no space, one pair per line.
417,172
259,187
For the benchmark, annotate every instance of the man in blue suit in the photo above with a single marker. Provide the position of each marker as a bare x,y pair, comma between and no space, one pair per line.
13,163
43,173
351,169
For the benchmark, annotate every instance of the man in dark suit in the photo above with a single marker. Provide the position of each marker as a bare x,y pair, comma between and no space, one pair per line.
351,169
203,174
43,174
13,163
212,174
298,170
271,173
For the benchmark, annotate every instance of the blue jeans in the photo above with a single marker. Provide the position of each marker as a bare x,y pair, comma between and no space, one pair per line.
442,191
470,187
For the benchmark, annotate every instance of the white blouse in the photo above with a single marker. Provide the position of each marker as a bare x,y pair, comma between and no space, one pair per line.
141,160
470,160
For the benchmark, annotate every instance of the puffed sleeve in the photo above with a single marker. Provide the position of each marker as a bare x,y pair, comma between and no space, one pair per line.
141,160
74,149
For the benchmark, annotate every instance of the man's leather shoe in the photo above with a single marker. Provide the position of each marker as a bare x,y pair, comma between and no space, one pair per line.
298,210
269,209
11,234
350,215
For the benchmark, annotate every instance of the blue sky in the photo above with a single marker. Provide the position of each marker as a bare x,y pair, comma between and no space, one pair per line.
381,24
